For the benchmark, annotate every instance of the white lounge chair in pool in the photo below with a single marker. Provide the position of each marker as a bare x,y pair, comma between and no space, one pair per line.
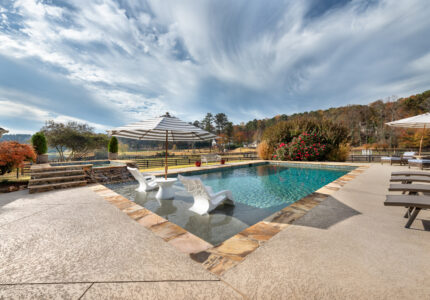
204,198
146,182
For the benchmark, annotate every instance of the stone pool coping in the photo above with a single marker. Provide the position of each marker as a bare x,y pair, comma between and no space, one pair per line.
220,258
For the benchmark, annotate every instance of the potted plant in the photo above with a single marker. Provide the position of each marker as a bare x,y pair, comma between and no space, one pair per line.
38,140
113,148
198,163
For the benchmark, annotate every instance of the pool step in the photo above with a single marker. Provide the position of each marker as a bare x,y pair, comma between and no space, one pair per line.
51,186
38,175
48,168
46,178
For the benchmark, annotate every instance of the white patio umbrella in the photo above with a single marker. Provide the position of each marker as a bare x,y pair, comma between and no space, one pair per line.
3,131
420,121
165,128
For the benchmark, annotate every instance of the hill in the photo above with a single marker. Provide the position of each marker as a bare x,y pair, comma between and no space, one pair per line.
21,138
365,122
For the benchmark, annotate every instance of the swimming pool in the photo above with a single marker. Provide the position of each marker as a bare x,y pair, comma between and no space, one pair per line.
258,191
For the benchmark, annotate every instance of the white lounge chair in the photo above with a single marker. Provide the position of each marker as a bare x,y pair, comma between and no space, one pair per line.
206,158
146,182
398,159
205,200
421,163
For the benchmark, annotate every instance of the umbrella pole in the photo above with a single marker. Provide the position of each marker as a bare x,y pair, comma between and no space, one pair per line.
421,142
165,164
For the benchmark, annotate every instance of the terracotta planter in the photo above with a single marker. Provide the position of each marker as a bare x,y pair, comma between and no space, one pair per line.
222,161
198,163
42,159
112,156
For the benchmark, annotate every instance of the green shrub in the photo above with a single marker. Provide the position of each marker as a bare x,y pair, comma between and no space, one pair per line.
113,145
40,145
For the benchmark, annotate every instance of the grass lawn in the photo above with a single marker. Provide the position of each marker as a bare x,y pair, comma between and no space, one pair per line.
11,177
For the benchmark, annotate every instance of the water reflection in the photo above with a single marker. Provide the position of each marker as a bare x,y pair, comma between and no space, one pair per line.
148,199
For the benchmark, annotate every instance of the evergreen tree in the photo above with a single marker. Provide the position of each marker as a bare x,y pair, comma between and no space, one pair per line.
220,122
207,123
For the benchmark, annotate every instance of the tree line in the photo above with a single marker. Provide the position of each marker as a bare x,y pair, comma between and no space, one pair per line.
365,123
219,125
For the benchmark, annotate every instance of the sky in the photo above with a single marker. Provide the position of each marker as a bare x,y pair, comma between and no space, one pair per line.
113,62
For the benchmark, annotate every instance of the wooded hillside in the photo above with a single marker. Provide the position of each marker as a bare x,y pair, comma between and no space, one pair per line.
364,122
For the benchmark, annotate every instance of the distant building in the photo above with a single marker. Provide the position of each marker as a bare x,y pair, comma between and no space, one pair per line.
3,131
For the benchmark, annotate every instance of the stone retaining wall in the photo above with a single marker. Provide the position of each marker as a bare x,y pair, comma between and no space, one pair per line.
114,174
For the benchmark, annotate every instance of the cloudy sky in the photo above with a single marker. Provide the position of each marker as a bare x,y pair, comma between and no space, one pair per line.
111,62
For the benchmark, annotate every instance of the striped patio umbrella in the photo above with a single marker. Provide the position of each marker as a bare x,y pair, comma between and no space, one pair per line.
165,128
420,121
3,131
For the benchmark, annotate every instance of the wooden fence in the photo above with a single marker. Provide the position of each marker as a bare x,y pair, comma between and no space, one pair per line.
17,173
145,162
375,155
364,158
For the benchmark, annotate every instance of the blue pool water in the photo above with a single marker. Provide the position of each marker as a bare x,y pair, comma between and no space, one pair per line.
270,185
258,191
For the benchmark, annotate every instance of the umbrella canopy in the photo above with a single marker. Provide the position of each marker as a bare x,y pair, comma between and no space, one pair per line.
165,128
420,121
3,131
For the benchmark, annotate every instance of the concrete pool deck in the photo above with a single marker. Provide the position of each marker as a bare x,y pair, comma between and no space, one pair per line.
72,244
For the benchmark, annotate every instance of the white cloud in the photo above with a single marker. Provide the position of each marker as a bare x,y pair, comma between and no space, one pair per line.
39,116
247,59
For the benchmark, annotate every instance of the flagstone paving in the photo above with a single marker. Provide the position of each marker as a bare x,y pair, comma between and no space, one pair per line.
339,242
348,247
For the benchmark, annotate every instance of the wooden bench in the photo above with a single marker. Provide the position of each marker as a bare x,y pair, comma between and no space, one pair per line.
210,158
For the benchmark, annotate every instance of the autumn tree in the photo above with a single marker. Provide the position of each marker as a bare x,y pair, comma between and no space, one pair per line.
13,155
411,138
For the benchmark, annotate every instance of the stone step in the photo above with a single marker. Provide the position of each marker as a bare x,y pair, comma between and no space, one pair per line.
41,181
52,186
37,175
37,169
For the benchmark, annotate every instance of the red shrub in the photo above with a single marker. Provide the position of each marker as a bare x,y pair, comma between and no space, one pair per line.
13,155
304,147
